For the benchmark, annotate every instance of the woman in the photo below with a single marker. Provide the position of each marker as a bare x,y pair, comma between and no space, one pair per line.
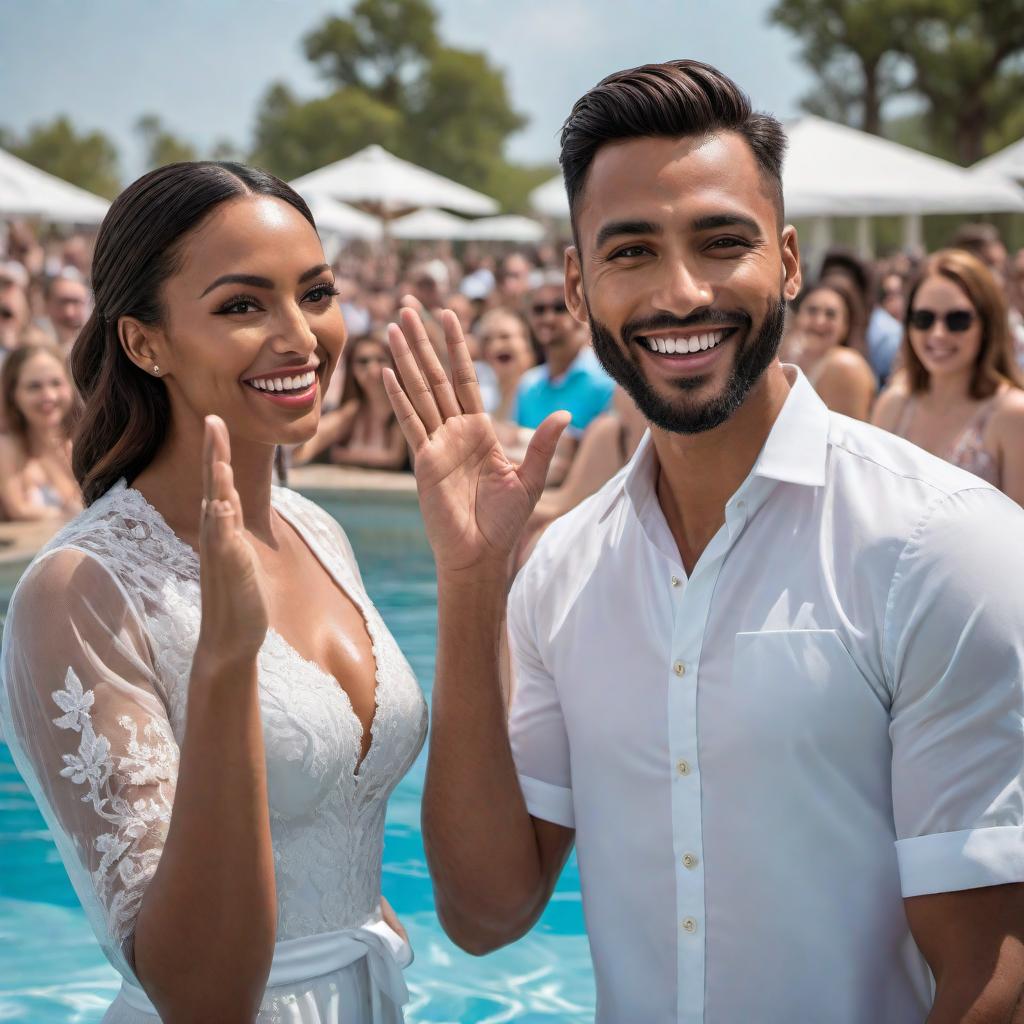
960,395
363,430
828,345
191,598
36,481
506,349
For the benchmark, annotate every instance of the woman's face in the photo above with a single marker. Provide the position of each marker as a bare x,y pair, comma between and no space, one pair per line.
505,347
893,300
823,320
369,358
43,393
252,331
942,351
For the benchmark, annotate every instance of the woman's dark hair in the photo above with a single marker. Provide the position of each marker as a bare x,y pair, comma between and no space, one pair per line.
675,99
995,364
127,411
14,418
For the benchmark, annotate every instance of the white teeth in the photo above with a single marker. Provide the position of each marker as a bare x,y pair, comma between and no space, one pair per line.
296,383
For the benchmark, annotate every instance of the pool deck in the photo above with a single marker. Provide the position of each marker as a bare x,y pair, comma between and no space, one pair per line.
20,541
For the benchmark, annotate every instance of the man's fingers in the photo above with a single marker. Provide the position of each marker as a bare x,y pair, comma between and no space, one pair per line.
467,387
411,425
416,388
430,365
533,470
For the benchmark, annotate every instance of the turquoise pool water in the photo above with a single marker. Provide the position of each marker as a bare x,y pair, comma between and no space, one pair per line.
52,972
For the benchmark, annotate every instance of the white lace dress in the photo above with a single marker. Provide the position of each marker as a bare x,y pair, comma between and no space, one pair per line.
97,652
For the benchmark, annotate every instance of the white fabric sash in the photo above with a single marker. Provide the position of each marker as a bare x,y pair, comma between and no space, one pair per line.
299,960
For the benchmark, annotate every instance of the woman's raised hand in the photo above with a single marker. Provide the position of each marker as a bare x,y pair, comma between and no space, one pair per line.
234,606
475,501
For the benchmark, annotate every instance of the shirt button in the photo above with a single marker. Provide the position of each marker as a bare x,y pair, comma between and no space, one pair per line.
679,668
676,581
690,860
683,767
689,925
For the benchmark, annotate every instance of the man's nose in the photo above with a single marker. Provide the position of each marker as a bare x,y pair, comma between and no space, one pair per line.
682,289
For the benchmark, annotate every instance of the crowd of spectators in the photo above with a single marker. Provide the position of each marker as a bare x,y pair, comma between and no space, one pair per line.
887,341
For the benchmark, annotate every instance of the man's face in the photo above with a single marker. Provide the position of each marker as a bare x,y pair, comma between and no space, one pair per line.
515,276
68,304
13,314
683,274
550,320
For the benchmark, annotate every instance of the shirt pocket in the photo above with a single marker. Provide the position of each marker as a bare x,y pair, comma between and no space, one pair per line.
802,684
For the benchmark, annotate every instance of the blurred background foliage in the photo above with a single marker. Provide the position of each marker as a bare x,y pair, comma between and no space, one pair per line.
944,76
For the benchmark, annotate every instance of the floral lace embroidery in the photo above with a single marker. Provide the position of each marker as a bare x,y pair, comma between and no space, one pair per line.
125,865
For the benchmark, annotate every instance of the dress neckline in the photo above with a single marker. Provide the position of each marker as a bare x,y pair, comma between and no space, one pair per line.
191,557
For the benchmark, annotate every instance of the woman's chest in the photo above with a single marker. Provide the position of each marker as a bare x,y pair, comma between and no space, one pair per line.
942,430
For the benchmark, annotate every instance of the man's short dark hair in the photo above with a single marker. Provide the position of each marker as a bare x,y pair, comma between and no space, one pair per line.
675,99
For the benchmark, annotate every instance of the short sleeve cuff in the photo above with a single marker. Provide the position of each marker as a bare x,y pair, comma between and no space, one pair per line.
951,861
548,802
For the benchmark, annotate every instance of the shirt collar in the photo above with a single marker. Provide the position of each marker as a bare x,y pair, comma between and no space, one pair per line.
795,452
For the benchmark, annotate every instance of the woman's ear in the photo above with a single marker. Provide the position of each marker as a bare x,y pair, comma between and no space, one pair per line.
143,344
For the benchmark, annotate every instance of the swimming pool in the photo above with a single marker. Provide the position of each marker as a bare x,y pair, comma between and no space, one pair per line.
52,971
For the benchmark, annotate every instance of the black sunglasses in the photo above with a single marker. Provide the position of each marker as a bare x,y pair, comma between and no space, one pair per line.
957,320
540,308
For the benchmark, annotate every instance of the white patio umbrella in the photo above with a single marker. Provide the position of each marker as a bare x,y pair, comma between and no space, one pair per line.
375,180
832,170
508,228
1007,163
26,191
430,225
340,219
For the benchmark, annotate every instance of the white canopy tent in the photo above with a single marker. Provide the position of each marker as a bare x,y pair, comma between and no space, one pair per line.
1007,163
341,220
508,228
26,191
832,170
375,180
430,225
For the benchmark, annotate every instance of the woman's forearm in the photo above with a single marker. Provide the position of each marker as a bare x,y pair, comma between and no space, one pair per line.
204,937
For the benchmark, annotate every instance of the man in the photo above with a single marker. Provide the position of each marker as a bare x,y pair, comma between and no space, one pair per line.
769,678
14,315
67,306
570,377
513,281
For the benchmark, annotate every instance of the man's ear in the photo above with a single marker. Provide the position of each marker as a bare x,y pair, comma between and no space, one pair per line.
792,278
575,300
143,344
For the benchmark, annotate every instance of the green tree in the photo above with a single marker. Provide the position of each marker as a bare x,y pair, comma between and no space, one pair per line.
162,147
394,83
293,136
848,44
88,160
968,60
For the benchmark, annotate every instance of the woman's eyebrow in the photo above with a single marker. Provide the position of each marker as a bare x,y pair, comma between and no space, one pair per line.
254,281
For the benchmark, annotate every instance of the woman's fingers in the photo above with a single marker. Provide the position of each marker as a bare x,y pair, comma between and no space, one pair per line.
430,366
467,388
409,421
533,470
413,383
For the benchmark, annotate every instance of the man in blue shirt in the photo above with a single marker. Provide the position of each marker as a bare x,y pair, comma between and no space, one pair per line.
571,378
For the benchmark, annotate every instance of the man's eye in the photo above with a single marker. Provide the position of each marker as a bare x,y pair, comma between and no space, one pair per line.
628,251
729,243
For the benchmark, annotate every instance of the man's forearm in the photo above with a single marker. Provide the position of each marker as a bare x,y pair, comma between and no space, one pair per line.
479,837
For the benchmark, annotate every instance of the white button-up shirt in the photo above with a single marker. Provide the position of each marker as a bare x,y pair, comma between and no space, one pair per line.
762,759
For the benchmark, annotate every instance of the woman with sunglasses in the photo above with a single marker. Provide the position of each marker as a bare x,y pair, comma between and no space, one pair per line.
960,395
363,430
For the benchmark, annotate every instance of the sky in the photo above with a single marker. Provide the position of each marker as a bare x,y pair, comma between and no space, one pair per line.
203,65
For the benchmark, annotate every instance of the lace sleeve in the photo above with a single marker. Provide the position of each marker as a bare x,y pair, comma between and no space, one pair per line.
81,712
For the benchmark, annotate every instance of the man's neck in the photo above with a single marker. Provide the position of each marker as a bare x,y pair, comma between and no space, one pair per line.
699,473
561,356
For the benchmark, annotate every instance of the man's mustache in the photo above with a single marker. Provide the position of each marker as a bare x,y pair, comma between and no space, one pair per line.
700,318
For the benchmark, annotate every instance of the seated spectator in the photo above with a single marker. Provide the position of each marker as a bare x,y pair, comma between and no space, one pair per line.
14,316
827,334
67,307
36,481
363,431
506,355
512,281
893,296
570,378
960,395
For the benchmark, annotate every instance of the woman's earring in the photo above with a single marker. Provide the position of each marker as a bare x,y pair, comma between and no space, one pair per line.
156,369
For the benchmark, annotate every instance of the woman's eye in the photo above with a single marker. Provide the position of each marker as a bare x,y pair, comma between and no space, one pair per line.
242,304
321,292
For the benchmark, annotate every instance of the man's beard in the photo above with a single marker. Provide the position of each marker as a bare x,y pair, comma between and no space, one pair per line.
688,416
